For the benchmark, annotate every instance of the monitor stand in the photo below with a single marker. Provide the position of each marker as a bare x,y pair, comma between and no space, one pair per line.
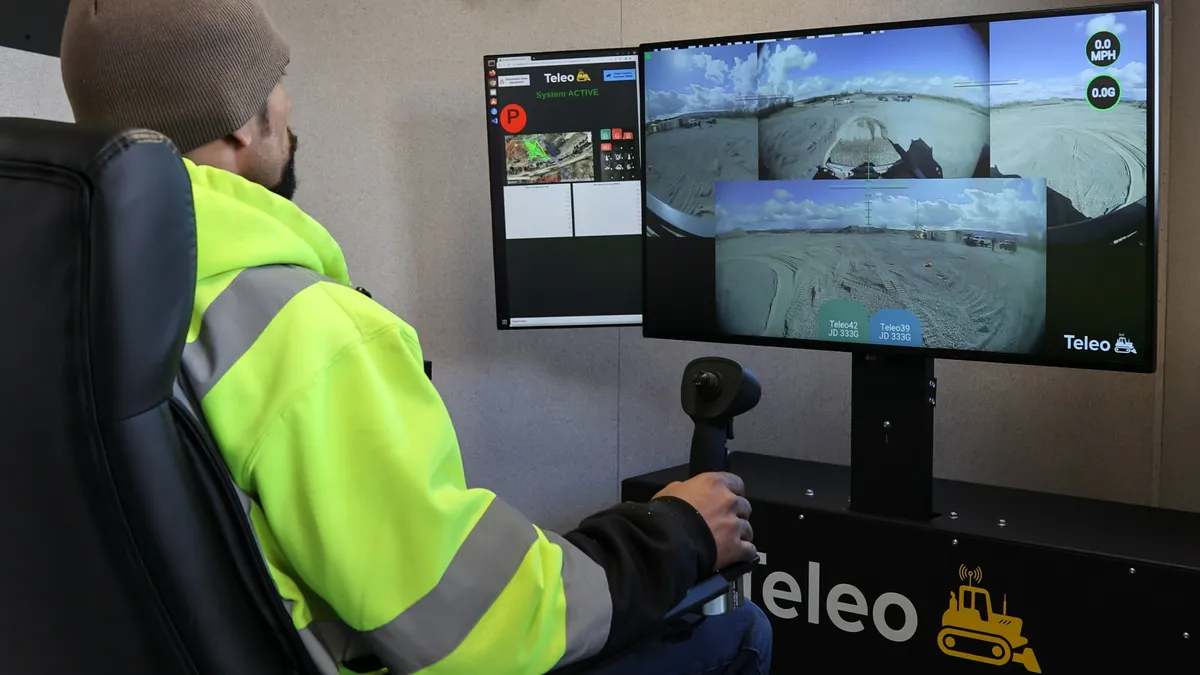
891,435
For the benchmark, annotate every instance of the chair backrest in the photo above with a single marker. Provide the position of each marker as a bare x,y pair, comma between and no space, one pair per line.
124,547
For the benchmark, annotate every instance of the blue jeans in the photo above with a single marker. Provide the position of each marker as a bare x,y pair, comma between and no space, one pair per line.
738,643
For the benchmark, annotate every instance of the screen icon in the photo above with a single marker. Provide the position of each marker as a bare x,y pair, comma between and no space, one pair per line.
628,135
616,134
495,112
605,134
605,147
495,120
492,101
491,83
582,76
491,73
491,92
1104,92
491,63
513,118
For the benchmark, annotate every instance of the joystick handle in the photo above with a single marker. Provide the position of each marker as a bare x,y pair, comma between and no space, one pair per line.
709,451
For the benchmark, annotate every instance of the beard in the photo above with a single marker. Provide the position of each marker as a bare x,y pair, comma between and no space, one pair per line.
286,187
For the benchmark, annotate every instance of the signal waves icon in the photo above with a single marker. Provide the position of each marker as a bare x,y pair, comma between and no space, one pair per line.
971,576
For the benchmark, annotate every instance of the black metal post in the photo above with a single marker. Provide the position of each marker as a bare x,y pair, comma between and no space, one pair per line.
891,435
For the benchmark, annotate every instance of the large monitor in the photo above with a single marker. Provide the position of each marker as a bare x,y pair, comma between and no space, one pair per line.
978,188
564,147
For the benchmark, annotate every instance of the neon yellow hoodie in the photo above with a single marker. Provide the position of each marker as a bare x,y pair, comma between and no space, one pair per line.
350,470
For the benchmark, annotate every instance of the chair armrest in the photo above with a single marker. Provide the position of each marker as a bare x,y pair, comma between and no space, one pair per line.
710,588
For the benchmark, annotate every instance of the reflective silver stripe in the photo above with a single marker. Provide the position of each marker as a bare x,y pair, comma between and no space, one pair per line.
589,602
237,317
228,328
437,624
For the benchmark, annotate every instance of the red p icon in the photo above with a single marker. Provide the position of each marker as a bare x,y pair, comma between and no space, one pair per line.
512,118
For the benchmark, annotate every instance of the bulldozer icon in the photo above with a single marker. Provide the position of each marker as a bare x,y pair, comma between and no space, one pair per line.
972,631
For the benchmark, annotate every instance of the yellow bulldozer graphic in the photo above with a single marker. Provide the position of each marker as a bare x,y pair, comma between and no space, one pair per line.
972,631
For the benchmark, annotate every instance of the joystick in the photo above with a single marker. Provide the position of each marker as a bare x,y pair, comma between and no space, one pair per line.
715,390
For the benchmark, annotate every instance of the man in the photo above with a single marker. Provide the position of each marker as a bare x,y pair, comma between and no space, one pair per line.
341,447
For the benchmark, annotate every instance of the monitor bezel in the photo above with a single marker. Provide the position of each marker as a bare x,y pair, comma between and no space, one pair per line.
496,193
1153,42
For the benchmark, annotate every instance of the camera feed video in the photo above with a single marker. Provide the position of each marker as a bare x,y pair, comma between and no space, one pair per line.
701,128
971,187
1073,111
917,108
957,263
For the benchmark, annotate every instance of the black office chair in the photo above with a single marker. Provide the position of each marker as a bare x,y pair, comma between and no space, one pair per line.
115,518
116,511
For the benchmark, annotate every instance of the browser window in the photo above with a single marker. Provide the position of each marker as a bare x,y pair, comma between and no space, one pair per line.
564,161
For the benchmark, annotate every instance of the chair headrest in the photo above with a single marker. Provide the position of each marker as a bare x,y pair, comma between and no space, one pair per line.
113,207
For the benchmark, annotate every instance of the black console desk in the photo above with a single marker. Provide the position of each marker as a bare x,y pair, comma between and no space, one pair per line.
1000,581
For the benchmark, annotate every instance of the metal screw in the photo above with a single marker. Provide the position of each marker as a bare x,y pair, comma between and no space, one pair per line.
954,515
809,492
1186,636
1132,571
954,543
1003,523
932,401
887,425
933,384
801,516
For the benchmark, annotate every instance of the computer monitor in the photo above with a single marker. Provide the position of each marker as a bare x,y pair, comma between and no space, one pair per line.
564,148
978,188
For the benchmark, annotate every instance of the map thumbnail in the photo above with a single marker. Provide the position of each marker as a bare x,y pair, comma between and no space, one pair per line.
549,158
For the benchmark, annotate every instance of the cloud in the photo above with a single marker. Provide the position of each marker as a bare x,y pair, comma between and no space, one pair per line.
776,67
1132,77
697,99
1106,22
714,69
730,82
1003,210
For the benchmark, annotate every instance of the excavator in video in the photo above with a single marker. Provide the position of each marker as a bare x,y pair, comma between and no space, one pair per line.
972,631
863,149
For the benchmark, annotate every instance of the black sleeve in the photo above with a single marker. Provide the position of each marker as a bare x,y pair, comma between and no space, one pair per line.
652,554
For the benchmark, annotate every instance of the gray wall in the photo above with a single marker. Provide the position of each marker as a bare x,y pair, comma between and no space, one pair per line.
392,161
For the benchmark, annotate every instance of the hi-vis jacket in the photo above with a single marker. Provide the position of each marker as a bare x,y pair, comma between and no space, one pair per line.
351,474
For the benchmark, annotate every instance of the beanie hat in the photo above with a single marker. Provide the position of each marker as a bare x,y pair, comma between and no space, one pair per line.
192,70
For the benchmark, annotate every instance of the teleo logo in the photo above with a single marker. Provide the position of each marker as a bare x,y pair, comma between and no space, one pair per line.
844,602
555,78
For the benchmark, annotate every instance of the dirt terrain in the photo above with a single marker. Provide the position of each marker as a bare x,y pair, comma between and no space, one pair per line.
772,284
792,143
1095,158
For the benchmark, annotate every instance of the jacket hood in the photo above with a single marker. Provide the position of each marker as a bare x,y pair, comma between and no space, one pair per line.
241,224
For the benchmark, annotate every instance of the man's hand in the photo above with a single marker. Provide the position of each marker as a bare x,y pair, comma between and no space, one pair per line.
719,498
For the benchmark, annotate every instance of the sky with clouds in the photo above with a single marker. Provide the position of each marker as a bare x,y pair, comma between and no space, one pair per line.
934,60
1045,57
694,80
1009,205
937,60
1058,67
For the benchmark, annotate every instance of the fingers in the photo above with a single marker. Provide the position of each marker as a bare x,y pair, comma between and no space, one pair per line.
734,483
741,508
746,531
747,551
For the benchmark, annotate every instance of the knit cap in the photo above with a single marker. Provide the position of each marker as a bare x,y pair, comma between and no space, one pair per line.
192,70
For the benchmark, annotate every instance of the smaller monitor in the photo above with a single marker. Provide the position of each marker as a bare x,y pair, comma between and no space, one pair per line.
564,153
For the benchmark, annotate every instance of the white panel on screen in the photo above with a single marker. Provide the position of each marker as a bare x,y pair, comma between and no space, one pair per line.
31,86
608,209
537,211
